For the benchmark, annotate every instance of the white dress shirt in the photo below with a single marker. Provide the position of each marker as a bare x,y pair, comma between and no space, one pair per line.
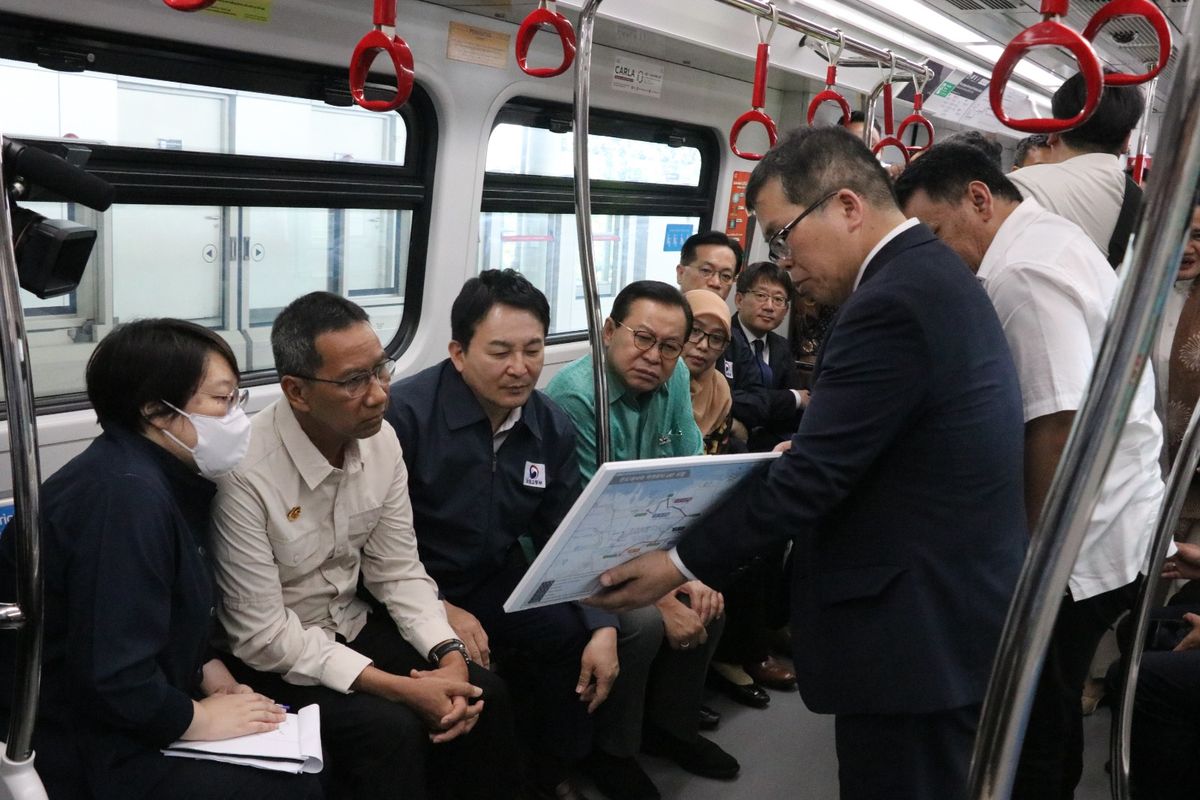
1052,291
1088,190
291,533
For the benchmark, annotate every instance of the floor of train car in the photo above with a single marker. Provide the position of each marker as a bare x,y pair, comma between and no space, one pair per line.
786,748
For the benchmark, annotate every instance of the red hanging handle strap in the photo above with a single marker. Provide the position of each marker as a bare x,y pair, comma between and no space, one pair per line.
830,94
371,45
889,138
762,58
189,5
1048,33
539,17
1153,15
916,117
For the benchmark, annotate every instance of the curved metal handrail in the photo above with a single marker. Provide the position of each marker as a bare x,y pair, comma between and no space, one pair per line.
1180,479
583,224
1128,342
26,471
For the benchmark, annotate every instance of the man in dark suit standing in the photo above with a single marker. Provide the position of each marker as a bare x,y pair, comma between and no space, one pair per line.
764,295
902,490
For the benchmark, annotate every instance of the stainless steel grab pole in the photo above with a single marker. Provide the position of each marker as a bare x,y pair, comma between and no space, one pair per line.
1182,472
583,224
26,472
1128,342
830,35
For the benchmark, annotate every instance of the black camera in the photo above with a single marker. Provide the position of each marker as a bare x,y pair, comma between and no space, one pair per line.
50,253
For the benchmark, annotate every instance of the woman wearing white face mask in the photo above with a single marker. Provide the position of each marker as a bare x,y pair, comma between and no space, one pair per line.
129,595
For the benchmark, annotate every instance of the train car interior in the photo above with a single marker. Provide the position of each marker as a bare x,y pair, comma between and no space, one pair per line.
212,161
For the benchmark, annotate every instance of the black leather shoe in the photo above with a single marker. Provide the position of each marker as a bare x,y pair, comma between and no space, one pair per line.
750,694
619,778
700,756
710,718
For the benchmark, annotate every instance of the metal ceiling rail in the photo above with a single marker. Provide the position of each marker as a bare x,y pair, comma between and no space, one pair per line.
832,36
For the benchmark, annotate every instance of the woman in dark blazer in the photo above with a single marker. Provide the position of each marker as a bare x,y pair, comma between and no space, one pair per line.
129,594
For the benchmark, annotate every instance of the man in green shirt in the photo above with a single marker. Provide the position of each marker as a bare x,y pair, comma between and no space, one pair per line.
664,650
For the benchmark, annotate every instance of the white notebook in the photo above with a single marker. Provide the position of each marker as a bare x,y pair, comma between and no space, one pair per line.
295,746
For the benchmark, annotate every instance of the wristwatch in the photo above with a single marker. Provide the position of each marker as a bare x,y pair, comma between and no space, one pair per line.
441,649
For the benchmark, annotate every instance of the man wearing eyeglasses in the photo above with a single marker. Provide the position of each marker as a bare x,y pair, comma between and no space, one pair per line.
320,501
664,649
764,297
902,490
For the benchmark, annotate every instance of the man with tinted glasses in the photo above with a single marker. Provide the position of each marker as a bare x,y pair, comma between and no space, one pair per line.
320,501
664,649
902,491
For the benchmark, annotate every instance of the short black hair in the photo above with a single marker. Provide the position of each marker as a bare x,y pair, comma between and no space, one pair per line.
687,254
1033,142
765,271
478,295
861,118
945,171
990,147
294,334
1107,130
657,291
150,361
810,162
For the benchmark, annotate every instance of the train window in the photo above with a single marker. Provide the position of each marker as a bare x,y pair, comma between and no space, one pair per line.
652,185
242,183
141,112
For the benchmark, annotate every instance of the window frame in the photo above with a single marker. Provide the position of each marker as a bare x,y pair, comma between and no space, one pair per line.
167,177
540,194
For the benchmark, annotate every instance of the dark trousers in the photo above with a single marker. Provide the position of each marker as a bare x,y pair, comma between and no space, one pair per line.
539,651
748,597
210,780
1052,755
380,749
905,756
1165,742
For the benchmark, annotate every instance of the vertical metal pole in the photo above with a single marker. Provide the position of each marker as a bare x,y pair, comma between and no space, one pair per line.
1139,159
26,471
1126,348
583,223
1182,472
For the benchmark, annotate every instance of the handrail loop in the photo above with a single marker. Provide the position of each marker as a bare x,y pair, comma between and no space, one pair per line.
375,42
1128,341
889,133
1178,482
1048,33
759,99
544,16
830,94
1153,16
583,226
917,117
1141,155
189,5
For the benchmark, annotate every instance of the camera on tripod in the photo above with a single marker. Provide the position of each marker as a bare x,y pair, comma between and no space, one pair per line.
51,253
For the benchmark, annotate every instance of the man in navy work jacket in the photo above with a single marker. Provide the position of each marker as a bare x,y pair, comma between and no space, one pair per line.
491,462
902,489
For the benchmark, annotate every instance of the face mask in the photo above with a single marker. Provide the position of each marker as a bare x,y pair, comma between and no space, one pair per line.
221,442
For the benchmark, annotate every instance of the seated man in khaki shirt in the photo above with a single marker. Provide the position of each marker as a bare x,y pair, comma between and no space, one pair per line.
320,499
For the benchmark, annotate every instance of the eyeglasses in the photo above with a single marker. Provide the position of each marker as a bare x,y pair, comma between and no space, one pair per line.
724,276
769,299
777,246
356,385
235,399
716,341
644,341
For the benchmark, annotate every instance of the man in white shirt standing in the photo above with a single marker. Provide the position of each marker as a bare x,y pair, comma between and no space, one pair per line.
320,499
1052,291
1081,177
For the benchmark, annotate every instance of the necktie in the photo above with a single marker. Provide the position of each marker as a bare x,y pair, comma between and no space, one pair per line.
764,369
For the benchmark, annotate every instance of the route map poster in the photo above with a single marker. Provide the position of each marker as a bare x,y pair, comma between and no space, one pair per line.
629,508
